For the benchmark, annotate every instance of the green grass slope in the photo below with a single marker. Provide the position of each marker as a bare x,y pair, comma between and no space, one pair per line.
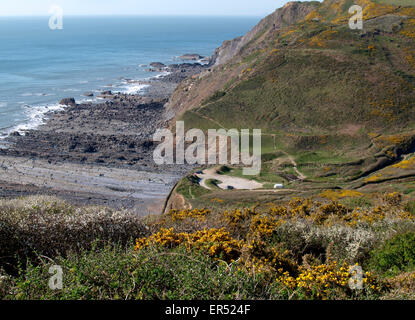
318,76
340,102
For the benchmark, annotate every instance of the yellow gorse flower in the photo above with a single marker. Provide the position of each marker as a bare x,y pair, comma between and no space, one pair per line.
216,242
184,214
323,277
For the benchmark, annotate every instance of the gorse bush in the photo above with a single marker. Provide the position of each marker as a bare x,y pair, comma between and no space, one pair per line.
47,226
265,244
321,281
183,214
395,255
299,249
214,242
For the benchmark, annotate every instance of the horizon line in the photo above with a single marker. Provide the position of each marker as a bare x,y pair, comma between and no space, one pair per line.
136,15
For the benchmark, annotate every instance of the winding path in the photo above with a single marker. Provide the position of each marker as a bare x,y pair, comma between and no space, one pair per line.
300,175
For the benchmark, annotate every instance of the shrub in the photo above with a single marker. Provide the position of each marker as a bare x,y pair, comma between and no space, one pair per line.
184,214
119,273
300,249
216,96
321,281
395,255
50,227
216,243
6,284
393,199
303,237
410,207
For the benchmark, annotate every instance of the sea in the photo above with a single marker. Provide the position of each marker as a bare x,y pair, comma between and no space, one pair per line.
40,66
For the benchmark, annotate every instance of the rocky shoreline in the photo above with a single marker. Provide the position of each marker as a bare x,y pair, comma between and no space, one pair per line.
106,137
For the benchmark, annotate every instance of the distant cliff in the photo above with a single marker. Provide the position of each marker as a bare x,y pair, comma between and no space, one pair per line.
303,69
184,98
291,13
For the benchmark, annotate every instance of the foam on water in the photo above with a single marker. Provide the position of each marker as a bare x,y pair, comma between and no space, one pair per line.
91,52
29,94
71,90
132,88
163,74
87,100
35,117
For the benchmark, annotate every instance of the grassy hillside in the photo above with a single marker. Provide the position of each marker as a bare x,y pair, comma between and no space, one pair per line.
340,102
318,76
397,2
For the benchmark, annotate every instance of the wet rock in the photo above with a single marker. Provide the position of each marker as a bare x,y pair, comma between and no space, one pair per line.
157,65
191,56
68,102
90,149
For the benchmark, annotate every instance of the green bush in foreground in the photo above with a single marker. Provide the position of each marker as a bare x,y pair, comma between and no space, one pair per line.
121,273
395,255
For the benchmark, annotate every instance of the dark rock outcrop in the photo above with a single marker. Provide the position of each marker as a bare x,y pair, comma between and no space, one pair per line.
68,102
291,13
191,57
116,133
157,65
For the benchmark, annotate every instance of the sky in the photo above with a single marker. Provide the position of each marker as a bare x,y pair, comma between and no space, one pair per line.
141,7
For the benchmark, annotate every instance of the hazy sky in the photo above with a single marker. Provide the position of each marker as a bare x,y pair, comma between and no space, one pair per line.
141,7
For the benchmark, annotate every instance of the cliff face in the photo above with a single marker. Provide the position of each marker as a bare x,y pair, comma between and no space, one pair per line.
303,69
195,90
291,13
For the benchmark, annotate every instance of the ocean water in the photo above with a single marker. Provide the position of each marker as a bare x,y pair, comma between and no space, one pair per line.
39,66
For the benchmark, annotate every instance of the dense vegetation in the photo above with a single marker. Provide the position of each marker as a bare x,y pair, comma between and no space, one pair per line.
301,249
